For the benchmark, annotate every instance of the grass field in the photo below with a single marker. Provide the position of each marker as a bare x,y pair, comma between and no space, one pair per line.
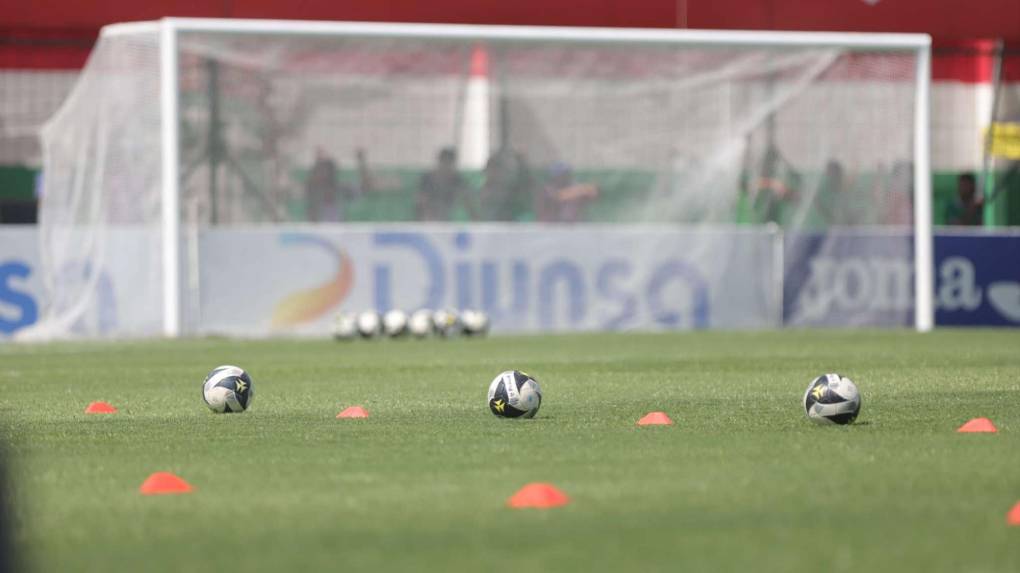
742,482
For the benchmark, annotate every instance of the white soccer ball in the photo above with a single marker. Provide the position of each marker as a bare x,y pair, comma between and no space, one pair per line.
474,323
369,324
445,322
832,399
395,323
420,323
514,394
345,326
228,389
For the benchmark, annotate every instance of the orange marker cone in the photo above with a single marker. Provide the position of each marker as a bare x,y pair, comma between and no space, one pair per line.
538,495
1013,517
164,482
978,425
655,419
353,412
100,408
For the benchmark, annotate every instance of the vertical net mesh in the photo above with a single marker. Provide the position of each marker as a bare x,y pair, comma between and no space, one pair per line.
672,134
100,209
807,150
27,99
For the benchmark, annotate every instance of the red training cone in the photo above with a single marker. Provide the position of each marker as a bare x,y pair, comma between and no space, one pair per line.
978,425
655,419
100,408
538,495
353,412
164,482
1013,517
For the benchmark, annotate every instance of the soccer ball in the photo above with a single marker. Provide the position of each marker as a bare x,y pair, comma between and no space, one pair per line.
474,323
394,323
832,399
445,322
420,323
228,389
345,326
514,394
369,324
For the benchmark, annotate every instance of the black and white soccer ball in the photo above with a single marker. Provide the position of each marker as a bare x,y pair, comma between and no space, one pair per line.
420,323
228,389
514,394
832,399
474,323
369,324
345,326
394,323
445,322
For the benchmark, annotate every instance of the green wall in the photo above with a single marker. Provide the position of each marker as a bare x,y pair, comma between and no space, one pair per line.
17,183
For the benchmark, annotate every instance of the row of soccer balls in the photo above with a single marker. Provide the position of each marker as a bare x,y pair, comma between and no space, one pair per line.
829,399
419,324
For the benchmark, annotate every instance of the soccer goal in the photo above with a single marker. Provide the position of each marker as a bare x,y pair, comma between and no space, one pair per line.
255,177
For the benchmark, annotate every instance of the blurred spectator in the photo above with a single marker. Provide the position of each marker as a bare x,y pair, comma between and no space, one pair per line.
442,189
896,197
325,194
774,192
832,192
561,200
838,201
968,207
507,192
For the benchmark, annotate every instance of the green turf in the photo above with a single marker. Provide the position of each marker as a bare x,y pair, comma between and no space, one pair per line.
742,482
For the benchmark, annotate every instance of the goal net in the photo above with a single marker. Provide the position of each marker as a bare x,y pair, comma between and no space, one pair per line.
256,177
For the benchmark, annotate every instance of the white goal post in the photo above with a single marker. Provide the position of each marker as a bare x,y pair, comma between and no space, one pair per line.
170,31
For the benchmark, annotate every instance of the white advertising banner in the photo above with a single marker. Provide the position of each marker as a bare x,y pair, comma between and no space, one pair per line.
120,290
528,278
20,284
292,280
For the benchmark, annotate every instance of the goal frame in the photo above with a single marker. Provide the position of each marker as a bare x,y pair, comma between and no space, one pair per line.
170,29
